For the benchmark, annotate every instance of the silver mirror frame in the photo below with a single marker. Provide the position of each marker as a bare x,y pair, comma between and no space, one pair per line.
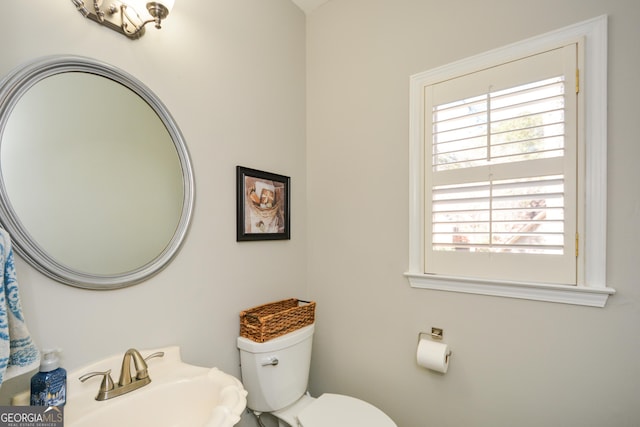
12,88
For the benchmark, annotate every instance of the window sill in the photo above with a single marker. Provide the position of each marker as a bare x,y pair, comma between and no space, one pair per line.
577,295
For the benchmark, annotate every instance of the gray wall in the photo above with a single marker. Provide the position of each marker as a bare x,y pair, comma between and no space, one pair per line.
515,362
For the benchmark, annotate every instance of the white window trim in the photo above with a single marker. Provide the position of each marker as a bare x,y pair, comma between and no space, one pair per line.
593,291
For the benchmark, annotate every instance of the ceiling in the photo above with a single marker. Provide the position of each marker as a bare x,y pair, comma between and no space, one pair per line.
309,5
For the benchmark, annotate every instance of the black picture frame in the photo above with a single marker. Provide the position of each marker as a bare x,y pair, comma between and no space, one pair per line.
263,205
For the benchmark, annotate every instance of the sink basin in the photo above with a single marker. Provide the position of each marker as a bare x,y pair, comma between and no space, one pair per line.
179,395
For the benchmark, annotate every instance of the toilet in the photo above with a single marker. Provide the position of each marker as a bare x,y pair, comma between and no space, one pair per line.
276,375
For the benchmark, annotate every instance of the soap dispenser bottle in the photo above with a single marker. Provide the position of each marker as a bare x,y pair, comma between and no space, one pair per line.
49,386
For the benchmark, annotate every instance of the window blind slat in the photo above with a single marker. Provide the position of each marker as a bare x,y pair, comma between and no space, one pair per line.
511,125
500,216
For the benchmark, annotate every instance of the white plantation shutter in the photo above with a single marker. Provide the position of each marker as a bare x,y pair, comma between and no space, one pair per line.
501,192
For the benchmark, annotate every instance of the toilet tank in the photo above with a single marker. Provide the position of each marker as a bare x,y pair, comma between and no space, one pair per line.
276,372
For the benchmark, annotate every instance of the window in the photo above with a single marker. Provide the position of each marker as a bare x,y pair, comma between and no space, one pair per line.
500,171
508,171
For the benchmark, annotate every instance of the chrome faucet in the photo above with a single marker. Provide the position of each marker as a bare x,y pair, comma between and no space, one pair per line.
127,382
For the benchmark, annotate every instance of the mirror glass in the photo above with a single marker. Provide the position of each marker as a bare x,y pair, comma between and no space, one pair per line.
96,182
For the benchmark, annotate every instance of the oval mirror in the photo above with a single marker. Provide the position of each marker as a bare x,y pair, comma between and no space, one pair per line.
96,184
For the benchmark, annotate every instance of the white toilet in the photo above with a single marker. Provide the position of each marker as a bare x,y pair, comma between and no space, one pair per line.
276,373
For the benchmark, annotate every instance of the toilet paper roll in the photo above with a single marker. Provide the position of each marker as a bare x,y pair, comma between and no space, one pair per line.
433,355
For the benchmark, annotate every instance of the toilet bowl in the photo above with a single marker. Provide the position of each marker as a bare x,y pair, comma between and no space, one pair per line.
276,374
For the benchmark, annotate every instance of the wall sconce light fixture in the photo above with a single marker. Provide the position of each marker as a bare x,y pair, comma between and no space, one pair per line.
124,17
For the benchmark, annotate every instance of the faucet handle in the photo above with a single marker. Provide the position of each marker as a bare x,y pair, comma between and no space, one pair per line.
156,354
105,385
144,373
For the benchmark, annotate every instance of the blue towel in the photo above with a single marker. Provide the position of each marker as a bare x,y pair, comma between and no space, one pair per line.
18,353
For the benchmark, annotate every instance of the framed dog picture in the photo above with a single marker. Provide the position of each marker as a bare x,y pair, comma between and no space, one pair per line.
263,205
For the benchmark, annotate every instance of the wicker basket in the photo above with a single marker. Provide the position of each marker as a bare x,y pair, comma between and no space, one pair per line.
272,320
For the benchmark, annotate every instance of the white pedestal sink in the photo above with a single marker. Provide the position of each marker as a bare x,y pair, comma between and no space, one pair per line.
179,395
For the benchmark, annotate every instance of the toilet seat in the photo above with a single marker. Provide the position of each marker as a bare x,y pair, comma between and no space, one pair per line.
336,410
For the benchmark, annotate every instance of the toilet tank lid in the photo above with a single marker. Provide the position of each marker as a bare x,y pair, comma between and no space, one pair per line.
337,410
284,341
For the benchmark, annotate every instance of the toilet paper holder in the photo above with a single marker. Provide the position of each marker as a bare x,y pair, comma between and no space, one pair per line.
437,333
432,353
